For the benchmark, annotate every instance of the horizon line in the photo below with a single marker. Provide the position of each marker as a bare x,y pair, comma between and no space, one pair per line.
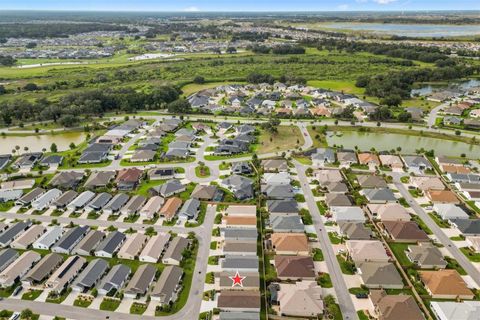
237,11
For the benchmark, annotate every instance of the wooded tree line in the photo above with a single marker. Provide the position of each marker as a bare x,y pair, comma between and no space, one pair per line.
424,54
50,30
283,49
70,108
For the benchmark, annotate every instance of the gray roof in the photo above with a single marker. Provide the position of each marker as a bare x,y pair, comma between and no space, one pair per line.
9,195
32,195
282,191
324,154
99,179
51,160
287,224
49,237
65,198
141,279
82,199
100,201
282,206
44,267
240,262
89,242
11,233
380,195
134,204
117,202
67,179
468,226
115,278
6,257
240,234
239,316
91,274
111,243
167,283
68,241
355,230
170,187
416,161
175,248
47,197
190,209
426,255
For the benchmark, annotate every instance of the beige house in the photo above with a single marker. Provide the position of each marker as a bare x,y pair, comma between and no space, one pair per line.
366,250
389,212
18,268
445,284
153,206
238,210
300,299
290,244
64,275
154,248
28,237
391,161
427,183
133,246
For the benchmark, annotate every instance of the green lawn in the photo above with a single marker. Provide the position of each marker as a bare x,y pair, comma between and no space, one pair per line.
337,85
471,255
347,267
358,290
398,250
52,298
146,185
31,294
441,223
421,224
202,171
83,303
334,238
325,281
138,308
109,304
317,254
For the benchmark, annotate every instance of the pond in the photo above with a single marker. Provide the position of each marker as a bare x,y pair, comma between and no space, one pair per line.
36,143
426,90
410,30
409,144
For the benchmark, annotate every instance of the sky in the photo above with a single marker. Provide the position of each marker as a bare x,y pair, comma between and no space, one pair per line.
244,5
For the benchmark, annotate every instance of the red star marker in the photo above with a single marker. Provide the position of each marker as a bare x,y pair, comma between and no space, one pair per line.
237,280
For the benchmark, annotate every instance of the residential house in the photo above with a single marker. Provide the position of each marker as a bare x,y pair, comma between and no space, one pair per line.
366,250
115,279
347,214
170,188
205,192
290,244
154,248
379,275
81,200
371,181
294,267
241,186
115,204
110,245
442,196
46,199
242,264
67,180
235,301
445,284
379,195
174,253
291,224
152,207
389,212
161,174
70,239
168,286
133,246
42,270
274,165
134,205
13,232
426,256
89,243
18,268
128,179
64,275
337,200
395,307
140,282
99,179
405,231
99,202
346,158
300,299
30,197
26,239
170,208
453,310
449,211
90,276
190,210
49,238
355,231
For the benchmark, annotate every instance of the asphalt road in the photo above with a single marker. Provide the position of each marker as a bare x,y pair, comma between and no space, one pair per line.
343,296
441,236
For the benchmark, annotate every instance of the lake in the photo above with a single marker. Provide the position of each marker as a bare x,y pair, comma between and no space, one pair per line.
36,143
409,30
387,141
426,90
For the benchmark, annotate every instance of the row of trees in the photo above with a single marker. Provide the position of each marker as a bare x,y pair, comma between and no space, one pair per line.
70,108
283,49
49,30
391,88
7,61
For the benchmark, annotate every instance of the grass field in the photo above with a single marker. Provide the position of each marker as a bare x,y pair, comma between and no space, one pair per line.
286,138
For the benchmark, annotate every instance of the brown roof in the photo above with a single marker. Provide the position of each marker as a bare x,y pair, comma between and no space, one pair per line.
239,299
171,207
445,282
395,307
442,196
321,111
294,267
232,221
455,169
129,175
365,158
204,192
405,230
290,242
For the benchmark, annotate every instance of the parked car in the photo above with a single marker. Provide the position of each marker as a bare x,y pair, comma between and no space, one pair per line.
17,290
361,296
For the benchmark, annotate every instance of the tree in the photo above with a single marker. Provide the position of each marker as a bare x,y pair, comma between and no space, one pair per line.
199,80
30,87
72,146
53,148
179,106
271,125
2,90
231,50
68,120
26,314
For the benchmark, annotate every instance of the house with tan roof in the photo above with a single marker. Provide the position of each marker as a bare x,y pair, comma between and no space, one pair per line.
369,159
426,256
28,237
154,248
240,222
445,284
294,267
170,208
380,275
447,168
395,307
241,210
300,299
366,250
389,212
371,181
473,242
405,231
442,196
325,176
391,161
152,207
133,246
290,244
427,183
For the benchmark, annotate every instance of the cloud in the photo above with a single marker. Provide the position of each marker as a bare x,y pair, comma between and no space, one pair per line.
384,1
343,7
191,9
